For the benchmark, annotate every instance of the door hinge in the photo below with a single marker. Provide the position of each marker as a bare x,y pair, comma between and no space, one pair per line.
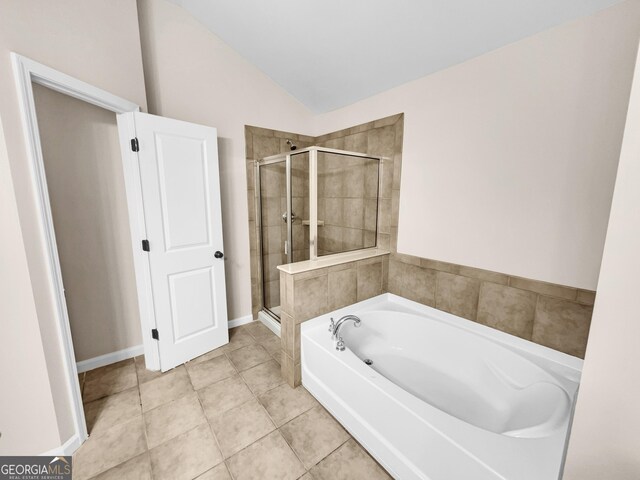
145,245
135,146
154,334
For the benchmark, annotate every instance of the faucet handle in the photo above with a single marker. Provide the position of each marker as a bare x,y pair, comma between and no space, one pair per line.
340,345
332,325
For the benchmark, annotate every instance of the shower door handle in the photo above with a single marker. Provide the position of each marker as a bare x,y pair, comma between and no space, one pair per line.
284,217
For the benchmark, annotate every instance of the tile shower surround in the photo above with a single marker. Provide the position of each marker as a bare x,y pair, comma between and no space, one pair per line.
380,137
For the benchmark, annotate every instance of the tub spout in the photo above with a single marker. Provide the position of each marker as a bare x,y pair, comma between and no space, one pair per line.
335,331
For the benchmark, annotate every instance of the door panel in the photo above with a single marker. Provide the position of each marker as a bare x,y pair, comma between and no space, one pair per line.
181,194
192,302
182,164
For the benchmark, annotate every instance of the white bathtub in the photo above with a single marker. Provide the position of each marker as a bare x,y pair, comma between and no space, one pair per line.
445,398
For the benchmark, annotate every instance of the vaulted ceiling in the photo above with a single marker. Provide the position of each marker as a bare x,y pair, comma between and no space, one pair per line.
332,53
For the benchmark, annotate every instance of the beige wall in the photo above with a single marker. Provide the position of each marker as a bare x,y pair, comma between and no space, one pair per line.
605,438
192,75
96,41
27,414
84,174
510,158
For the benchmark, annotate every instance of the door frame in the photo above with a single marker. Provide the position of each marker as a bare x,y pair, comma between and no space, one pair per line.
27,72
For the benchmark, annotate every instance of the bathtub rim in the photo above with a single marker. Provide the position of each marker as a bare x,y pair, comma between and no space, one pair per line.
497,336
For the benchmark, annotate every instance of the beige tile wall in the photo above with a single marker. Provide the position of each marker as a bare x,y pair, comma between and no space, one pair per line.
309,294
553,315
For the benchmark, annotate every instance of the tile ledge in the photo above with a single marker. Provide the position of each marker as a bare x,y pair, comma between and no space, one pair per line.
331,260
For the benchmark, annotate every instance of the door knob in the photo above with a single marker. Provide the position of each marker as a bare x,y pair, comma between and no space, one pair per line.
218,254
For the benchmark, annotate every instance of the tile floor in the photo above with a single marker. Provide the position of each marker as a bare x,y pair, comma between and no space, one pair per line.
225,415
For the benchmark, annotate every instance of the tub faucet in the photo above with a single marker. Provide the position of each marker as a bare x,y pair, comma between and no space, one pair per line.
335,327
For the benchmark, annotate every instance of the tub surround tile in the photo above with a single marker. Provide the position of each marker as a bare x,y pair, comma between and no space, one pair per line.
172,419
508,309
440,266
413,282
342,288
505,302
107,449
457,294
586,297
185,456
311,297
287,334
314,435
291,370
544,288
269,457
369,279
224,395
562,325
172,385
239,427
349,462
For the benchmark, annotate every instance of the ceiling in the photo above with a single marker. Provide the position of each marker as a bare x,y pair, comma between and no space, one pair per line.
332,53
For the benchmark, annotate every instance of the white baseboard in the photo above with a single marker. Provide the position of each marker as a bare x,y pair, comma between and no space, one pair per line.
109,358
269,322
67,448
236,322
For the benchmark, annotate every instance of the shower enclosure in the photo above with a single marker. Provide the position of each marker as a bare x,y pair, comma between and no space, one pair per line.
313,202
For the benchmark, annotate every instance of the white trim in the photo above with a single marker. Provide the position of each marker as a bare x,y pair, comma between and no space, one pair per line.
27,72
109,358
138,230
236,322
67,448
269,322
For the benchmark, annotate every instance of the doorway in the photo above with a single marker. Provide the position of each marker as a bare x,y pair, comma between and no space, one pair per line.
166,187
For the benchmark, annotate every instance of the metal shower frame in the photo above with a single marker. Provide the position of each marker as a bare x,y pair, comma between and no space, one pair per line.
313,193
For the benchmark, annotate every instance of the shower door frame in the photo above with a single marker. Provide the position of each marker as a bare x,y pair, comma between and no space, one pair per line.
258,186
313,201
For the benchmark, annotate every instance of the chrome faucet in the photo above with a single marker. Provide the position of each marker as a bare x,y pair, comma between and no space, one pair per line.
334,328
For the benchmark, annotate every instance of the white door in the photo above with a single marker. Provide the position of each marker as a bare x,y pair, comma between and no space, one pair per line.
180,189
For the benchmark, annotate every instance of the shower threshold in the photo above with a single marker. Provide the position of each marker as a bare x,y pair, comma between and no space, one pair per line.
268,318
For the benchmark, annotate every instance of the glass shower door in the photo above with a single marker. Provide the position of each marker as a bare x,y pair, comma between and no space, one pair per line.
272,182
